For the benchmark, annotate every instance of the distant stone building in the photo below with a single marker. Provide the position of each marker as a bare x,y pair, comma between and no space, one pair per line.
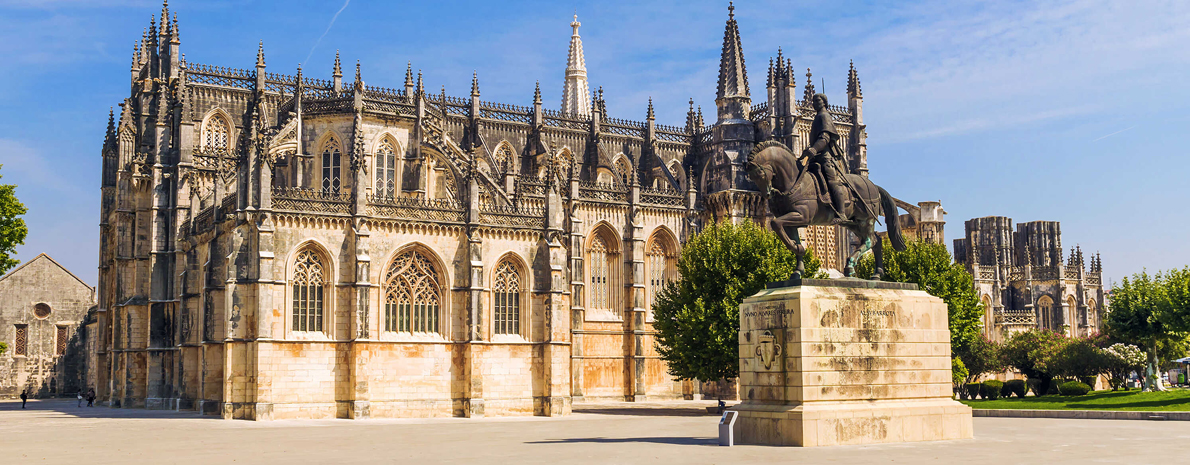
1024,282
42,306
275,246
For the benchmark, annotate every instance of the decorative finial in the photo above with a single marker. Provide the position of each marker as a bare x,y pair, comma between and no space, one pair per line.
808,96
358,78
650,113
537,94
173,31
731,11
338,71
475,83
409,74
260,55
420,89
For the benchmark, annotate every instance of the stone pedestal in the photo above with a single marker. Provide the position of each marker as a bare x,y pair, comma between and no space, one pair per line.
843,361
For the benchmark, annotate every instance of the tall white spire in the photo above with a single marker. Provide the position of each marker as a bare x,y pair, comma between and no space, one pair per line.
576,95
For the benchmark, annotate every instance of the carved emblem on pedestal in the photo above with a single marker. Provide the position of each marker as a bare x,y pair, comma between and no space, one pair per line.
768,349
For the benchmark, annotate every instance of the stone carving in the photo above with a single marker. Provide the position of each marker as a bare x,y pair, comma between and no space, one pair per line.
768,349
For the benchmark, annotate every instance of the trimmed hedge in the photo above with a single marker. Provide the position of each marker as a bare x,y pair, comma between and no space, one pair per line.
1014,386
1074,388
991,389
973,389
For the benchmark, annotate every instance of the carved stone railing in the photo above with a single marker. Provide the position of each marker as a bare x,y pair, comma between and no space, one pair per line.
1044,273
1094,279
985,272
1071,272
220,76
1019,317
662,197
601,192
333,105
530,185
415,208
522,216
311,200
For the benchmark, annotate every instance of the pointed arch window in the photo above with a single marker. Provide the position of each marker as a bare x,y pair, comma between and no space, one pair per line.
413,294
660,268
506,297
386,168
331,154
216,134
309,288
1045,307
503,159
604,278
623,171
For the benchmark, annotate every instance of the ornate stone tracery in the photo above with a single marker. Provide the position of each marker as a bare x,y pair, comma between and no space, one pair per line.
309,287
413,293
506,299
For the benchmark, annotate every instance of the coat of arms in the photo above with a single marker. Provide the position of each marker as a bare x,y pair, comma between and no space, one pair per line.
768,349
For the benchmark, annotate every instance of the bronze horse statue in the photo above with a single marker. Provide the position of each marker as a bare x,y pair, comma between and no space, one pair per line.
797,199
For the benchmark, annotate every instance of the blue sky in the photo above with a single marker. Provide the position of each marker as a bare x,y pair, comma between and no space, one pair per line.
1074,111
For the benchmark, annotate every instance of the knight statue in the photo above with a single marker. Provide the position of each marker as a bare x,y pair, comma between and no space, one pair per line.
823,155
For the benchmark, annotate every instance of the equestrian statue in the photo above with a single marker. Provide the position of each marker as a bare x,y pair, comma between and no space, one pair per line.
815,193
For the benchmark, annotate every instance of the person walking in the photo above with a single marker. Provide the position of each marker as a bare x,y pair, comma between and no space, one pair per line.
24,398
91,397
80,398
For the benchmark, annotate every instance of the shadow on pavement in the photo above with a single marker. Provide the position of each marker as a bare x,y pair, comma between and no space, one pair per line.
645,412
58,407
671,440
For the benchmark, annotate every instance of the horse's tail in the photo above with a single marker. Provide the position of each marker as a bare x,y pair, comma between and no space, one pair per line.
893,220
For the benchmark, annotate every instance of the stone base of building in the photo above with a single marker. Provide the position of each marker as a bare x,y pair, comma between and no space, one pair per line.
846,423
835,362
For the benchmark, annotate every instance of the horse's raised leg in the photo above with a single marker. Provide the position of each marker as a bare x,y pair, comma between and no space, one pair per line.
867,231
878,251
782,226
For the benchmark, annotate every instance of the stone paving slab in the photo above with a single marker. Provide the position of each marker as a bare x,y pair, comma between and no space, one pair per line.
57,432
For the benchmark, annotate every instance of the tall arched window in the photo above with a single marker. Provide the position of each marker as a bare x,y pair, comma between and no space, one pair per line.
331,153
599,275
506,299
503,159
661,267
215,134
1045,306
989,321
386,168
1071,315
413,293
309,285
623,170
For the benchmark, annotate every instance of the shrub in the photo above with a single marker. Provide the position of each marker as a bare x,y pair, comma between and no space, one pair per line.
1088,380
1014,386
1073,388
991,389
973,389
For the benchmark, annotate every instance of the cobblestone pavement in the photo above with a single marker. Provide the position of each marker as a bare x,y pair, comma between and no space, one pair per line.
56,431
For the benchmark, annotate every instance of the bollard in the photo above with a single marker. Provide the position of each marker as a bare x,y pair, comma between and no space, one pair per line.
727,428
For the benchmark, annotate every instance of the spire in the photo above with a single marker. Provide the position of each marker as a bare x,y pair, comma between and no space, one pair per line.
358,77
575,89
152,37
110,140
690,122
420,89
769,81
165,18
537,94
808,96
135,55
408,71
260,55
789,74
733,76
650,113
853,90
474,84
173,31
338,71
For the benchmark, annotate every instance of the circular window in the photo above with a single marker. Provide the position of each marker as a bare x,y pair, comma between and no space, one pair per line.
41,310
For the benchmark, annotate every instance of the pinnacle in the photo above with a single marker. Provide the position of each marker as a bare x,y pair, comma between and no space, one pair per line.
408,72
358,77
808,96
537,94
733,75
260,55
650,114
475,83
338,71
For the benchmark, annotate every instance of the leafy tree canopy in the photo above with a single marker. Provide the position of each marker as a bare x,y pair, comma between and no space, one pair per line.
12,226
982,356
931,268
697,317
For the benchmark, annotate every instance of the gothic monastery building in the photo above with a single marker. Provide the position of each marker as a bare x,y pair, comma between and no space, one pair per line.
278,246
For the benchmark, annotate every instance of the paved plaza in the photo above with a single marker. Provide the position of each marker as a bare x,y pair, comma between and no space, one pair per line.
56,431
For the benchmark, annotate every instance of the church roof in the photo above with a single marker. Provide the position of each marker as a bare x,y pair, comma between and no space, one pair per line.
55,262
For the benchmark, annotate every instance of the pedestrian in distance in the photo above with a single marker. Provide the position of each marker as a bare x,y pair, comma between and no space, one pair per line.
91,397
24,398
80,398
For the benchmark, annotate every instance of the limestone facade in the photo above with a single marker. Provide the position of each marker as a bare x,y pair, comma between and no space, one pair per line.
276,246
1024,281
42,308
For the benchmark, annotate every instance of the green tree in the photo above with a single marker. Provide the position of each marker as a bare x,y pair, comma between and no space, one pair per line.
1031,353
1149,311
12,227
982,356
931,268
958,372
1078,358
1122,358
697,317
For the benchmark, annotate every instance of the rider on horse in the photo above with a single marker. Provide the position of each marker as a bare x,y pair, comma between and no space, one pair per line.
822,151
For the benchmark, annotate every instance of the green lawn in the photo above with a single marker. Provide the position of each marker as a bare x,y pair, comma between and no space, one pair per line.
1169,401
